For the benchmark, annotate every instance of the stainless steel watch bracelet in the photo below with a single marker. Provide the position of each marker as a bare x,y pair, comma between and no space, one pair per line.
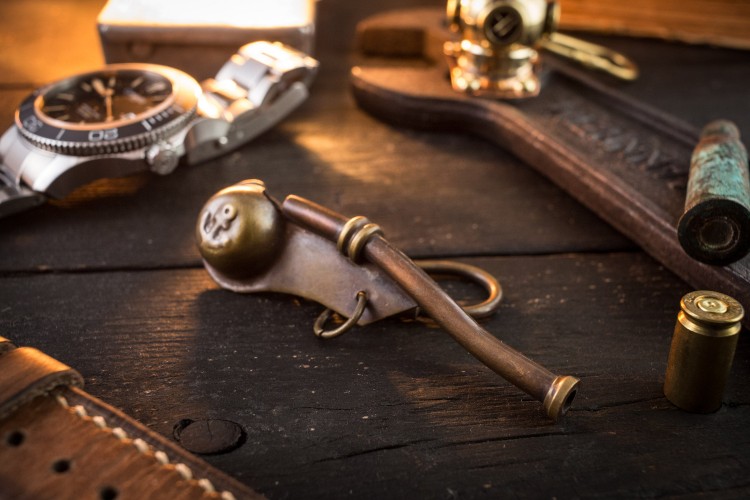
13,196
253,91
254,76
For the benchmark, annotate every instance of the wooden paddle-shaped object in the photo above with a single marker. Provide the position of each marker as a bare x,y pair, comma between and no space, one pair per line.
622,159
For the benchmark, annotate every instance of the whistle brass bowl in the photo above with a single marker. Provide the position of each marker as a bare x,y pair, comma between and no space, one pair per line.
240,231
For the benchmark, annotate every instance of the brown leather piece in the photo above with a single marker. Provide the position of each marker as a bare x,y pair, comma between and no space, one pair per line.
175,453
58,442
49,451
26,372
6,345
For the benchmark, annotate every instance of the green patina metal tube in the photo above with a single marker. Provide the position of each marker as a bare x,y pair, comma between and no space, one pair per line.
715,227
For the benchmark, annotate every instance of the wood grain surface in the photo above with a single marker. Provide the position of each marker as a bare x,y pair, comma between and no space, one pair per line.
109,281
716,22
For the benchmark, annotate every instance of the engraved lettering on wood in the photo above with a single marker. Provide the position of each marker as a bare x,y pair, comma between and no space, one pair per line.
635,149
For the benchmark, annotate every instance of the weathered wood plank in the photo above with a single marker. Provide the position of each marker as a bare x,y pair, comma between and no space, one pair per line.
108,281
433,194
699,21
48,39
481,201
397,408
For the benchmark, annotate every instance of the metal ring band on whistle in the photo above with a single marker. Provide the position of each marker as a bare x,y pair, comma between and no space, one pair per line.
349,226
592,55
355,235
360,239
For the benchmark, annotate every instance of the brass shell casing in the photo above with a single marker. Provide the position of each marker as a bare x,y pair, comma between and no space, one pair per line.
703,345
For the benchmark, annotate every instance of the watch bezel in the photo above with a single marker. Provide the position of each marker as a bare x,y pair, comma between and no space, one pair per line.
118,136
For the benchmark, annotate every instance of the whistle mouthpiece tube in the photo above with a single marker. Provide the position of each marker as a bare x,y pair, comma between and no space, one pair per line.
715,226
556,392
703,344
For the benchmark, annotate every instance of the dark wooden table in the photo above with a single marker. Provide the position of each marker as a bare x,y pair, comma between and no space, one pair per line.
110,282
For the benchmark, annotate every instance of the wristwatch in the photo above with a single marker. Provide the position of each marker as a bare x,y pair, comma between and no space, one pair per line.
127,118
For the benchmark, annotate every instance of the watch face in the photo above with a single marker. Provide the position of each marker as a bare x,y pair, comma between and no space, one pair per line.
106,97
119,108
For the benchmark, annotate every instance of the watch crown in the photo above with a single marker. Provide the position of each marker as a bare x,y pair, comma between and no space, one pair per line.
162,158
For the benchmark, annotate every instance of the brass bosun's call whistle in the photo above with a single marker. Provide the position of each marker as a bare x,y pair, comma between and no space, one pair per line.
250,243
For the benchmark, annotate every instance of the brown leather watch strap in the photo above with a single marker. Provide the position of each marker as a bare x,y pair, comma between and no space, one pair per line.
6,345
27,373
56,441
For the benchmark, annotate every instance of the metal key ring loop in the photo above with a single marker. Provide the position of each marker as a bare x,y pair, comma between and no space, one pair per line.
486,280
319,325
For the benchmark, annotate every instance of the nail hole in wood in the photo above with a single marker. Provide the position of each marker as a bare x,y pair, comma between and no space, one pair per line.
15,438
108,493
61,466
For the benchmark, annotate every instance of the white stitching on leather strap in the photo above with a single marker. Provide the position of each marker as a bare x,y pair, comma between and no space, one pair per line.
119,433
161,457
183,470
206,485
141,445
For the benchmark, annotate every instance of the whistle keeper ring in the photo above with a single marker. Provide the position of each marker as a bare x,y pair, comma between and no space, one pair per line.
318,327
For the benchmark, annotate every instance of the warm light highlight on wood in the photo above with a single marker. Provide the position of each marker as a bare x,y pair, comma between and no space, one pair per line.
715,22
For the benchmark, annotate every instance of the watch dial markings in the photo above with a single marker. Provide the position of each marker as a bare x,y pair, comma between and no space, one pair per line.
97,85
119,108
87,112
156,87
105,97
